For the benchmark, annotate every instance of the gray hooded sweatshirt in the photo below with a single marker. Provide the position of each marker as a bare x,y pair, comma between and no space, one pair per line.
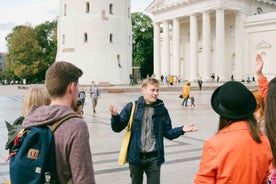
73,154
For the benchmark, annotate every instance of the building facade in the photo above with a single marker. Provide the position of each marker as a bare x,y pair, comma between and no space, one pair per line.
193,39
97,37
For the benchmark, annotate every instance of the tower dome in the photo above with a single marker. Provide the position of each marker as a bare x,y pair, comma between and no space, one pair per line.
96,36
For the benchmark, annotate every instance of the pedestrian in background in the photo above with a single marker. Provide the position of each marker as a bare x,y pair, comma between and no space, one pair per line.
151,122
238,152
186,94
94,95
82,96
200,83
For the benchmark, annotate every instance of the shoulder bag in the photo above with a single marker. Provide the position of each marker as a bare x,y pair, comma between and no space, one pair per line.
124,148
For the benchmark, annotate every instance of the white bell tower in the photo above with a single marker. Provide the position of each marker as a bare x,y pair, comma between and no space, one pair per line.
96,36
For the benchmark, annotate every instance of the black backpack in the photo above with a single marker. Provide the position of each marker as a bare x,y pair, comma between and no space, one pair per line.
33,157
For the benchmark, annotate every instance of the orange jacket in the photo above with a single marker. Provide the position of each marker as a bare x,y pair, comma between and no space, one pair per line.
232,156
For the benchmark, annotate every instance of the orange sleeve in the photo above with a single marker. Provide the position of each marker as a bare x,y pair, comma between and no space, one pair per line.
263,86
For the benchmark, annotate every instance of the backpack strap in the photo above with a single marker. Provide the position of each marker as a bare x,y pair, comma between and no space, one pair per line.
55,125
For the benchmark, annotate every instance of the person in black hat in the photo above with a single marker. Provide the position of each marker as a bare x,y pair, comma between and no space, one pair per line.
238,152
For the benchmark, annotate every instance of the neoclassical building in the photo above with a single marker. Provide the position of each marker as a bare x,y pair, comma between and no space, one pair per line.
195,38
97,37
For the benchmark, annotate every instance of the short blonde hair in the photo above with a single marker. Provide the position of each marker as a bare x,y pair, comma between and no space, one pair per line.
149,80
37,95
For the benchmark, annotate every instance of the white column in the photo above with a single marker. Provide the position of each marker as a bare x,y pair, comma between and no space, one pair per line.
166,48
219,62
239,46
156,46
176,43
193,47
206,45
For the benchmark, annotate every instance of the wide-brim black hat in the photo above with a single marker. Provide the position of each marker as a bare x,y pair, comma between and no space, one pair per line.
233,101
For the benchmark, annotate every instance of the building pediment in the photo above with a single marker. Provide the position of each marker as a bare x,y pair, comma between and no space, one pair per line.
263,45
164,4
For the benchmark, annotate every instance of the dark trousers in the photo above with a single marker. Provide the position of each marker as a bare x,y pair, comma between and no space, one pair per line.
150,167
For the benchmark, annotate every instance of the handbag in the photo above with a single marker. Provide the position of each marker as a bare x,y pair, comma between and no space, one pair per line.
124,148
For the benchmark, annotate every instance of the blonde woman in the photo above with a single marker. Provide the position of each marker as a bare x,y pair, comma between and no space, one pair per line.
36,95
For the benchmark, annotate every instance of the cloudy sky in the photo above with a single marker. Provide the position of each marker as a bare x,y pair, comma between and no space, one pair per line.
34,12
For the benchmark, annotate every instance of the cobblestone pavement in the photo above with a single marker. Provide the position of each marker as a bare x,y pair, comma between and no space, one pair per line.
182,155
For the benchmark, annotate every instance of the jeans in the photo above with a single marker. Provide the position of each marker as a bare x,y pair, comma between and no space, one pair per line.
150,167
185,101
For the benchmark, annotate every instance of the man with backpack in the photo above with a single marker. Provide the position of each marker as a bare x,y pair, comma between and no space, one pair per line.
73,154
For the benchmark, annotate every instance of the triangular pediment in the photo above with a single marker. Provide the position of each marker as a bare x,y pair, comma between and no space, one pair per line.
263,45
154,4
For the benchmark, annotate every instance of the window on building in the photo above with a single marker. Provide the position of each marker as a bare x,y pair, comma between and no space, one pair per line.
85,38
65,7
111,38
111,9
87,7
119,62
63,39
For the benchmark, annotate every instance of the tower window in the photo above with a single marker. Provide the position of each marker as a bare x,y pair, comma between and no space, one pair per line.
111,38
111,9
87,8
63,39
85,38
119,62
65,9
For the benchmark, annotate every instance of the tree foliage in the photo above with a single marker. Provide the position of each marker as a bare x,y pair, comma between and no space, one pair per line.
142,43
31,51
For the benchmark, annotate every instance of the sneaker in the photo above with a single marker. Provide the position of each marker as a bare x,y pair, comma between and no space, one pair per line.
94,111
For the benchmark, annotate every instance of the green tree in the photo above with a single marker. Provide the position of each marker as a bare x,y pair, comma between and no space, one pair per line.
31,51
23,52
47,40
142,43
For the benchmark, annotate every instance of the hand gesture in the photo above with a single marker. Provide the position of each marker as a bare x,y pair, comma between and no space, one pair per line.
259,64
113,110
189,128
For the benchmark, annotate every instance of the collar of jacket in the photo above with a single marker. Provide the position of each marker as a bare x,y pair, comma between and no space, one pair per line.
239,125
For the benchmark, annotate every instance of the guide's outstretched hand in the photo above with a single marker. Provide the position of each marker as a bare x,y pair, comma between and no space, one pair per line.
189,128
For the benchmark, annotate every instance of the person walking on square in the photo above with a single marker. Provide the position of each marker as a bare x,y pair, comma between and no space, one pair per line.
130,79
151,123
82,96
94,95
73,154
199,83
192,101
238,152
186,94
